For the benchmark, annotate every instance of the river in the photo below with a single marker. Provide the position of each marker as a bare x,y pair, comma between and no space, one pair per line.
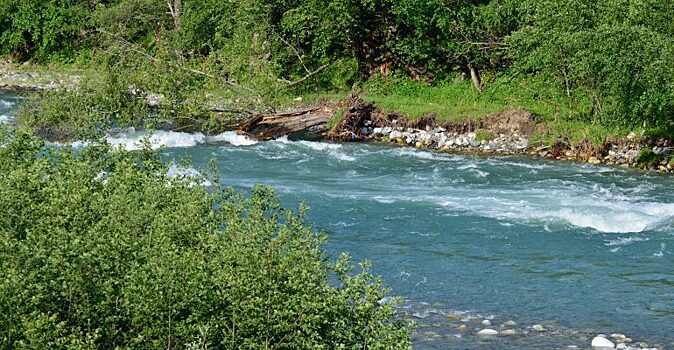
577,248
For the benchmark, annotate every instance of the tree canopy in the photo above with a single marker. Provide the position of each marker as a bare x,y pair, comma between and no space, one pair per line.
617,52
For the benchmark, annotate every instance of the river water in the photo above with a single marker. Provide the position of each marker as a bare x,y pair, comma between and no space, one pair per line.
578,248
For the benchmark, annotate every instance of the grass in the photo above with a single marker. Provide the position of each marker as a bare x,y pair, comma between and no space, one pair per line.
561,117
458,100
574,132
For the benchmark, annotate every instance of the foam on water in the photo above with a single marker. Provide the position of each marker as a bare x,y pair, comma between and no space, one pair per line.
180,172
6,118
626,241
133,140
319,146
7,104
415,153
232,138
604,213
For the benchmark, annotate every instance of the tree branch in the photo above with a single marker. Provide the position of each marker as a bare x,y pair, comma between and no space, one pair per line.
293,83
131,47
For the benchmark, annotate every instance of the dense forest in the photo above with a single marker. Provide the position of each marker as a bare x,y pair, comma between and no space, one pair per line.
614,57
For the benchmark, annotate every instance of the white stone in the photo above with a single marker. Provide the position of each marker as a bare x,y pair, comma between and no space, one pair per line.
538,328
618,336
602,343
509,332
510,323
486,323
488,331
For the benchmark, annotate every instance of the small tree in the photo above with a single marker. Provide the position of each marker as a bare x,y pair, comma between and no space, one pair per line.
105,249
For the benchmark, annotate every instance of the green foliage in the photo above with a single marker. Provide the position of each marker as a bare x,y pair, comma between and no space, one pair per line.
610,59
618,51
647,158
104,249
42,29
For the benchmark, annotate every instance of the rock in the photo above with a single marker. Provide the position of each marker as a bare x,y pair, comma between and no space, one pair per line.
618,336
510,323
631,136
538,328
621,346
462,328
509,332
594,160
488,331
430,334
601,343
486,323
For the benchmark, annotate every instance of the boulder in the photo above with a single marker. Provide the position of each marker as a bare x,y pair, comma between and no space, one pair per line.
601,343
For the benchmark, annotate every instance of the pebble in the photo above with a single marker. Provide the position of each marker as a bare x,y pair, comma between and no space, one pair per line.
509,332
538,328
510,323
488,331
599,342
462,328
486,323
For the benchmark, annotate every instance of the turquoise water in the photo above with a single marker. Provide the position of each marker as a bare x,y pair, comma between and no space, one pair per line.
583,246
8,106
579,248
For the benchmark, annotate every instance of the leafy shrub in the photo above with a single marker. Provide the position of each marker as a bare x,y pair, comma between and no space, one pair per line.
647,158
104,249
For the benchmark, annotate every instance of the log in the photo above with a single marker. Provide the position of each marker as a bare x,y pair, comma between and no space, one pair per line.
272,126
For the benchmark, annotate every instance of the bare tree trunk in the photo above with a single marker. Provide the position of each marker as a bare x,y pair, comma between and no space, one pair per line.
177,4
174,10
475,77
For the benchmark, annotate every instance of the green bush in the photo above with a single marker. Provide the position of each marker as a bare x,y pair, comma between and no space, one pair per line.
647,158
104,249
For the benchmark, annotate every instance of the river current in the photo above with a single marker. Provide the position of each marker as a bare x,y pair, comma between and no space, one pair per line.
578,248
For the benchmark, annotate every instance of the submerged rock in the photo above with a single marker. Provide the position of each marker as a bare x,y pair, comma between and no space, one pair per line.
488,331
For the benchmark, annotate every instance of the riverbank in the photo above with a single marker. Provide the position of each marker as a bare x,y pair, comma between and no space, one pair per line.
408,117
509,132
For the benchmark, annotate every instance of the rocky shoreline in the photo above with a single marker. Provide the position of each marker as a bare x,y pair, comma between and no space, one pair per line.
439,139
506,133
14,80
461,329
